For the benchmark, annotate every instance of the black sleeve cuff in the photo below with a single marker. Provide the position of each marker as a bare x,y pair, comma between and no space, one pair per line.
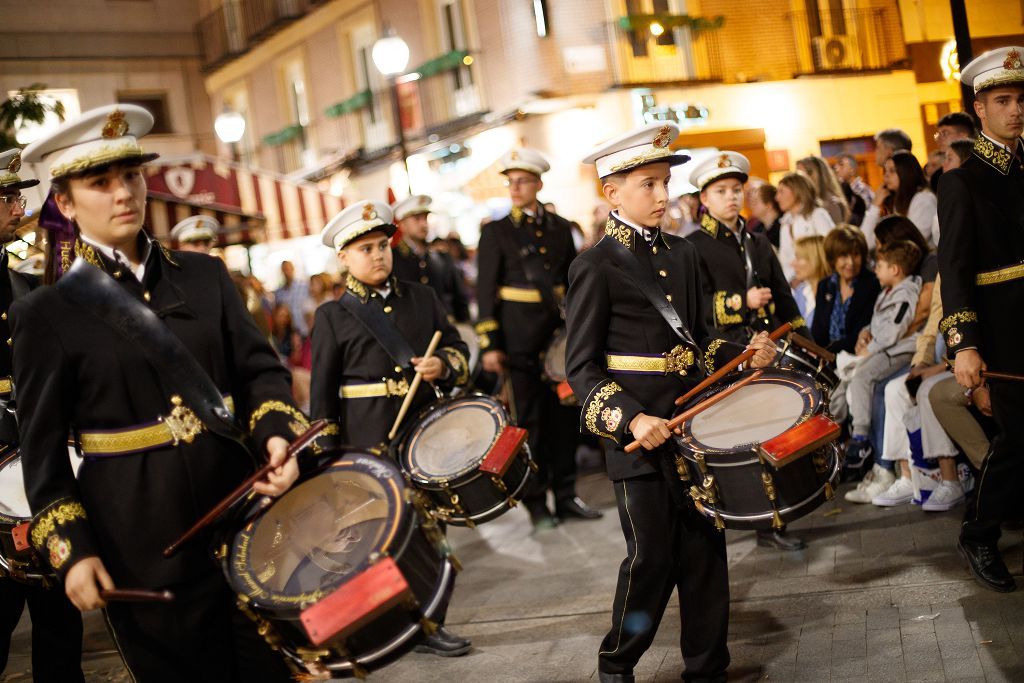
458,367
960,330
275,418
728,308
608,411
719,352
62,536
488,333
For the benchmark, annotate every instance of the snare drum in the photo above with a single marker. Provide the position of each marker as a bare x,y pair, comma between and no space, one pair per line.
18,559
345,571
467,457
554,368
765,455
803,360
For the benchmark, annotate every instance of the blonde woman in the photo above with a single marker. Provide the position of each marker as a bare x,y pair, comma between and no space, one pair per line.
811,267
803,216
827,186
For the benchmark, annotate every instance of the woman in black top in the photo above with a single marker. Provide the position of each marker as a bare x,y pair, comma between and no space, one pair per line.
845,299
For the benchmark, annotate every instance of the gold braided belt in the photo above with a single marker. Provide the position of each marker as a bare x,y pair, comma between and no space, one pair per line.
182,425
677,361
520,295
1000,275
383,389
5,385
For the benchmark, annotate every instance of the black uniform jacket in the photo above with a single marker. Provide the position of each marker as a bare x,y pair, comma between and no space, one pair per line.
981,255
74,372
437,270
520,327
608,314
8,280
724,279
345,352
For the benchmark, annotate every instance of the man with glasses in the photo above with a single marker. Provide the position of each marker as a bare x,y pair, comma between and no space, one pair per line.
523,270
56,624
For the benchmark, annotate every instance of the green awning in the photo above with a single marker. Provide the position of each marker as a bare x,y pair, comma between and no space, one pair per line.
360,100
446,62
282,136
642,22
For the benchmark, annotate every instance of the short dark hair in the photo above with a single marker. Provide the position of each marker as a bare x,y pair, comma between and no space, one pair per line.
902,253
962,148
960,120
849,157
845,240
895,139
766,193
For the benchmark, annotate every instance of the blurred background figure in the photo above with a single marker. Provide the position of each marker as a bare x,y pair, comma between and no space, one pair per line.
827,187
858,193
196,233
766,210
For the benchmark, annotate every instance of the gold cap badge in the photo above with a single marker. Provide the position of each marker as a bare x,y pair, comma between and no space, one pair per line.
116,125
1012,60
724,161
514,156
664,137
424,200
369,213
15,164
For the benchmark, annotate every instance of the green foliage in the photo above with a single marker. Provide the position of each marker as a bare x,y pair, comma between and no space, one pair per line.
24,105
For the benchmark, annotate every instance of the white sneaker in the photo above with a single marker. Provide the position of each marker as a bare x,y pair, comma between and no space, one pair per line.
900,493
874,483
946,496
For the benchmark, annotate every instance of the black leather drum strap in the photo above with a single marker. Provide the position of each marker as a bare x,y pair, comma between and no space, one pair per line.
87,287
383,330
646,284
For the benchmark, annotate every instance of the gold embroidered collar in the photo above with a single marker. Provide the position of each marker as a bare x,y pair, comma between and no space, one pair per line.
996,156
625,233
363,291
709,225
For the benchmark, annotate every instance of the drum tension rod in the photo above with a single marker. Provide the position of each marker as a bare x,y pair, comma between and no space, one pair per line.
500,485
769,490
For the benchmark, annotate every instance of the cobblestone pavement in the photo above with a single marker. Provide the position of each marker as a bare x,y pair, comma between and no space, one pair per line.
879,595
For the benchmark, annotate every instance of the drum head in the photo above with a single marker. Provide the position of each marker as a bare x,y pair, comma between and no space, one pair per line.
554,359
452,438
13,499
318,534
763,409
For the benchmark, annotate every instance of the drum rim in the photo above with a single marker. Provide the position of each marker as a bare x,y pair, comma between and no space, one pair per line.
400,451
499,508
558,338
403,528
813,399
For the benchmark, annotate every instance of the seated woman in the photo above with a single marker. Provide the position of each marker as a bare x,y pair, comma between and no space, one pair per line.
846,298
904,192
811,267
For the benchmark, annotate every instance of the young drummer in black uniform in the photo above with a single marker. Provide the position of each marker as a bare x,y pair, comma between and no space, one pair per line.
522,271
154,462
415,261
628,365
981,215
56,624
745,290
357,382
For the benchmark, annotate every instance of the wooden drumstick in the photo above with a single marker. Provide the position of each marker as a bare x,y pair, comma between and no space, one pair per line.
776,334
414,387
135,595
807,345
701,407
989,374
245,487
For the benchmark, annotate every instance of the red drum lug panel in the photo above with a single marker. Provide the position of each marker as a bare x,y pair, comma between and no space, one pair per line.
356,603
799,441
506,447
20,535
564,392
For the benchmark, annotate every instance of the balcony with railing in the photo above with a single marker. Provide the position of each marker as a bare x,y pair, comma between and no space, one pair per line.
238,25
848,40
663,49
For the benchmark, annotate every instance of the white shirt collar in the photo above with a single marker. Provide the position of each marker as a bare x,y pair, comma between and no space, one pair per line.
118,256
647,233
383,292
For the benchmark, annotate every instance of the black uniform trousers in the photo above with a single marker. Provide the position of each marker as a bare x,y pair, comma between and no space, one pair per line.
668,547
553,432
998,494
202,637
56,630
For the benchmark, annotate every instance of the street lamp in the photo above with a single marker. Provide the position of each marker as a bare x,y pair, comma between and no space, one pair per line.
391,56
230,127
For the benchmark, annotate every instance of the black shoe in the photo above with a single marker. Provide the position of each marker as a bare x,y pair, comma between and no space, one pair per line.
857,462
779,540
986,566
444,643
574,508
604,677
